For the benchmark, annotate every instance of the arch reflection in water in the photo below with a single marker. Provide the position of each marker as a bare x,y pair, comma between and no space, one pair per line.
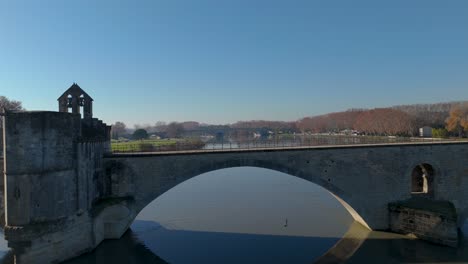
238,215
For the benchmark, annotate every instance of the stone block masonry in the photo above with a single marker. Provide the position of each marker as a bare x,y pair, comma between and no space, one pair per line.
2,194
40,166
434,221
54,180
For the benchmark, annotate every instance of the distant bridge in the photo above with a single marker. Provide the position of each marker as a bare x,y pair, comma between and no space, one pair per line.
66,192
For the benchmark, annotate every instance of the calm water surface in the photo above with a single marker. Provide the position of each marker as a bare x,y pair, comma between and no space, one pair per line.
253,215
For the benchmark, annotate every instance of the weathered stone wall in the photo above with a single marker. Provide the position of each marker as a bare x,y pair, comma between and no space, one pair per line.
51,242
54,179
40,163
367,177
2,197
68,237
91,183
440,228
93,129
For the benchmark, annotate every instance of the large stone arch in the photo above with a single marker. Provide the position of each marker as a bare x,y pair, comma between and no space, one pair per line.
148,177
270,166
247,163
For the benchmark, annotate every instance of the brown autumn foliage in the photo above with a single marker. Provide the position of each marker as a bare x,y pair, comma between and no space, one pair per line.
458,119
384,121
329,122
379,121
433,115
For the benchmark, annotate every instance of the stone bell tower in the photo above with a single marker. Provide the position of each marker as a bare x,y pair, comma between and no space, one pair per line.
75,98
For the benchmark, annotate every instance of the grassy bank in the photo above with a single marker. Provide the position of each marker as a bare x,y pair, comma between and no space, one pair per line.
156,145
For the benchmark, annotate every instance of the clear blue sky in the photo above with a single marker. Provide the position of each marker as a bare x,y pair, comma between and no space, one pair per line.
220,61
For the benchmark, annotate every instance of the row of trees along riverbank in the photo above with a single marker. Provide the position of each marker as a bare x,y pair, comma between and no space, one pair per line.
446,119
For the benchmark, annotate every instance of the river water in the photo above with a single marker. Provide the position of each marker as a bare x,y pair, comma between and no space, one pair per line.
254,215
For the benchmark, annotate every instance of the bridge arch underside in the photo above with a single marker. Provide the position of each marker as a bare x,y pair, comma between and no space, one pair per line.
253,164
364,179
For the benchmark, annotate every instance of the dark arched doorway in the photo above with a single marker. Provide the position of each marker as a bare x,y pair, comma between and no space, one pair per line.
422,180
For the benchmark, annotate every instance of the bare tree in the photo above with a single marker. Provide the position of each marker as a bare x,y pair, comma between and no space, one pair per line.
175,130
6,104
160,126
190,125
118,129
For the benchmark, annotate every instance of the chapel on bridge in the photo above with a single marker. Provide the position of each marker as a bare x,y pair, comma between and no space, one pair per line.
75,98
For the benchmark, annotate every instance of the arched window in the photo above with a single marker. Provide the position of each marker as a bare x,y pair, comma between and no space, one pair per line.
82,100
422,178
69,102
81,103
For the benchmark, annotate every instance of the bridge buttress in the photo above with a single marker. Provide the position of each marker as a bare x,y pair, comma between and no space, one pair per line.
53,180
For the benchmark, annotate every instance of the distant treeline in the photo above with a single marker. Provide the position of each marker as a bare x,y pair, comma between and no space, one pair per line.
403,120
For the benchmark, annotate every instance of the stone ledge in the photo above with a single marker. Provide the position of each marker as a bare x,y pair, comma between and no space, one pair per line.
433,221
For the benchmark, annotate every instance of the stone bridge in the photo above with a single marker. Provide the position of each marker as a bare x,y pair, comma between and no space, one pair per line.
65,193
